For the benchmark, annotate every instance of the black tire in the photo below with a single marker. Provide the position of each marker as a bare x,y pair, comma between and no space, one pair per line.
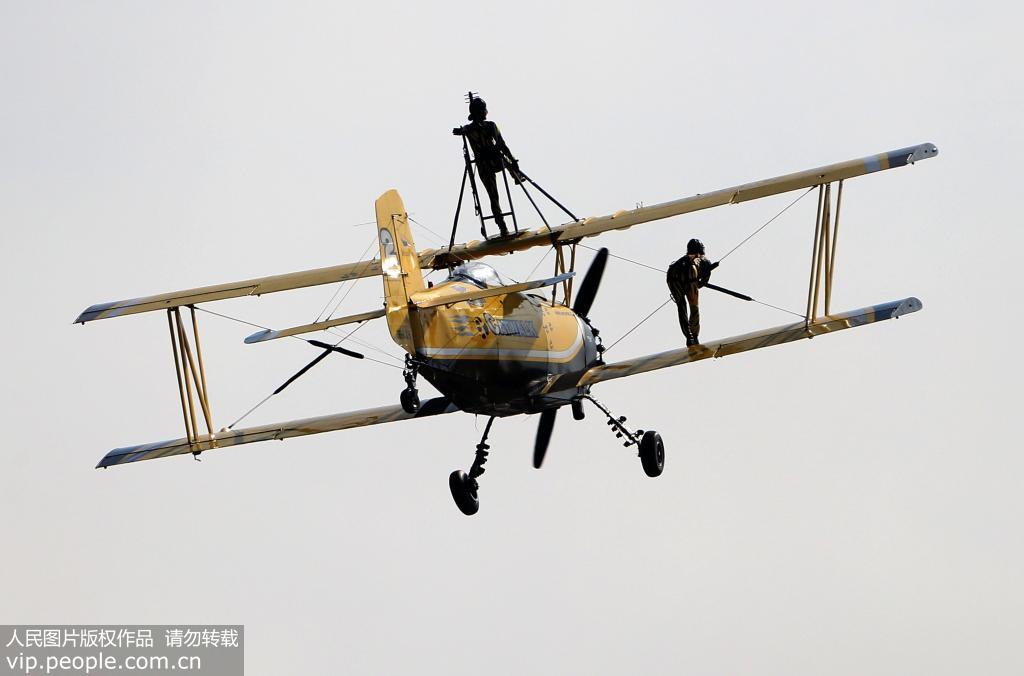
652,453
577,410
464,492
410,400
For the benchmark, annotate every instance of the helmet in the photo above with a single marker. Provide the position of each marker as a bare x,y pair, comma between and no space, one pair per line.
477,108
695,246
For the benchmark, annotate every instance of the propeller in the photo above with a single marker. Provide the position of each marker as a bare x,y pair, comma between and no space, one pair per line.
544,428
592,280
584,300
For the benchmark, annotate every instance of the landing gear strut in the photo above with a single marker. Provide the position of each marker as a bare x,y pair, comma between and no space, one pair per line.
464,486
649,444
410,397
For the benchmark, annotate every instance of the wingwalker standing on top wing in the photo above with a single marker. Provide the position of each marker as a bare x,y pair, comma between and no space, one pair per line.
489,346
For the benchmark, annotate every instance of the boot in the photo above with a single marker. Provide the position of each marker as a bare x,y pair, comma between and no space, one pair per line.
500,220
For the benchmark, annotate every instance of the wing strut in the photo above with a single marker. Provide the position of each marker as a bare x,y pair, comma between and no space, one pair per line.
188,376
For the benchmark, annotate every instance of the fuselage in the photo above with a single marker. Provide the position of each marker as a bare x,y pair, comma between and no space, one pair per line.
499,355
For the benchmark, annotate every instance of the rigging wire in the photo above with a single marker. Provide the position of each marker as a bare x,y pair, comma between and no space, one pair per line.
767,223
745,240
428,229
267,328
259,326
667,301
351,285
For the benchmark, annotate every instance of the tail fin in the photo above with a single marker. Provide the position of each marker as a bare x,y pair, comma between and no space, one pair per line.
400,265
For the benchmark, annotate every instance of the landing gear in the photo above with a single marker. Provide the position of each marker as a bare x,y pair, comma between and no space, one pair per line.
464,486
652,453
410,397
464,492
651,447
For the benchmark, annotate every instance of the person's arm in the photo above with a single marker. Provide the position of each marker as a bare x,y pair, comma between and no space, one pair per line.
499,143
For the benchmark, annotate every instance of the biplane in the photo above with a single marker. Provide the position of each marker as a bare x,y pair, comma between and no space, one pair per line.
493,347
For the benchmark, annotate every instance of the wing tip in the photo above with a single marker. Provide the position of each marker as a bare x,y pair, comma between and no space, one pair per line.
260,336
906,306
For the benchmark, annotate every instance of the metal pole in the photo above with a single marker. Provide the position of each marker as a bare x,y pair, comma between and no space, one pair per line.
177,373
814,251
825,224
548,195
832,257
559,269
828,247
458,208
472,185
182,343
508,196
202,370
568,282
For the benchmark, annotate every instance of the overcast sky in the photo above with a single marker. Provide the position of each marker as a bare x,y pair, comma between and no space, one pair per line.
846,505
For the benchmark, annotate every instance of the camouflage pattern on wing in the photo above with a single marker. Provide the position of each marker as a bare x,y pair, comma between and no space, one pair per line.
294,428
752,341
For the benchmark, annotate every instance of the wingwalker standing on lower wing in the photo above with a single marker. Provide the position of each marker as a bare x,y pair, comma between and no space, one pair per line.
684,277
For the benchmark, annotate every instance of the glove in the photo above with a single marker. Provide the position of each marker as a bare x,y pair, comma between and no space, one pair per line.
457,131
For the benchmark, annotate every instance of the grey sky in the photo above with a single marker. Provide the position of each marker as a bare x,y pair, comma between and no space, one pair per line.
843,505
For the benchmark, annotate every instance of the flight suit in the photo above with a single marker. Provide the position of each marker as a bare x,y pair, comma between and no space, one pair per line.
491,154
683,281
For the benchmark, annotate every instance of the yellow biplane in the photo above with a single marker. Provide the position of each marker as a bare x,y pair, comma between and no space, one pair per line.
489,346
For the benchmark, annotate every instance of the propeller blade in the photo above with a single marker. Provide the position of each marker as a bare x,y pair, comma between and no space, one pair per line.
544,428
592,280
335,348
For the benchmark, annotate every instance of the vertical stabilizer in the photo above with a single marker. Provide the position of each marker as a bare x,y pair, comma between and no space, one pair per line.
400,266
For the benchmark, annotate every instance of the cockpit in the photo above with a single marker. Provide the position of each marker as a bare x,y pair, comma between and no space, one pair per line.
478,274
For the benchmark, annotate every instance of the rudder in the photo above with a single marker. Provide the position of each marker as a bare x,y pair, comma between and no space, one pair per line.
400,266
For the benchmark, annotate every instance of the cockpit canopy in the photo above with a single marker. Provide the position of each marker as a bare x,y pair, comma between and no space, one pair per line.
479,274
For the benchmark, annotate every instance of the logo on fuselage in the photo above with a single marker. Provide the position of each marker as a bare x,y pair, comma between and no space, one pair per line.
510,327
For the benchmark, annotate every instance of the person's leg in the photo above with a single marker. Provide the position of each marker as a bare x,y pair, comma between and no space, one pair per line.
692,300
677,289
491,185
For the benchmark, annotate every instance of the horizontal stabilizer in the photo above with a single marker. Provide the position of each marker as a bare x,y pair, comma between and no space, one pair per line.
751,341
294,428
271,334
435,297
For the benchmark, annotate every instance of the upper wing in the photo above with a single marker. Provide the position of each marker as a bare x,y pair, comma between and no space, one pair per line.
544,236
620,220
752,341
294,428
248,287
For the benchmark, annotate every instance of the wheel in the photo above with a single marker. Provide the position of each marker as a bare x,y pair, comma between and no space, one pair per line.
577,410
410,399
464,492
652,453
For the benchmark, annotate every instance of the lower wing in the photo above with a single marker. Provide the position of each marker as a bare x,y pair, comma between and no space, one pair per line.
752,341
293,428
